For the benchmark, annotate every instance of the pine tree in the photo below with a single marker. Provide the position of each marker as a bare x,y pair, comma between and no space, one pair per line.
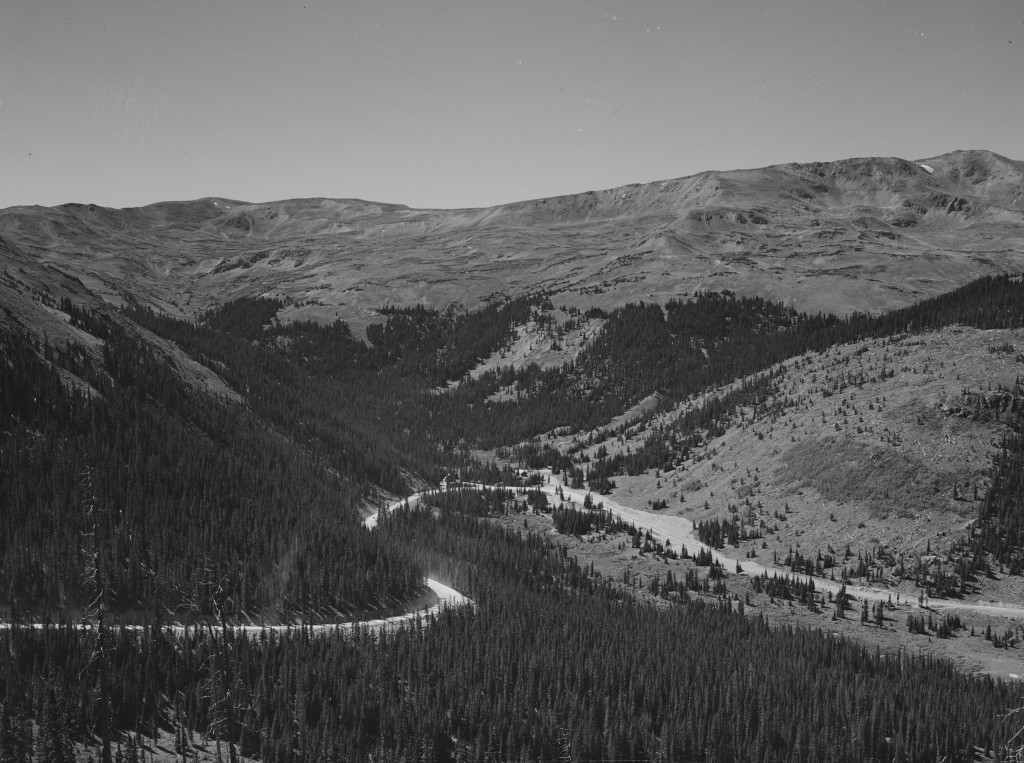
54,743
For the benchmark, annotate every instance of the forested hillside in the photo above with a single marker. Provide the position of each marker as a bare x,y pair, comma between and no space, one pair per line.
131,494
125,492
330,416
552,664
988,303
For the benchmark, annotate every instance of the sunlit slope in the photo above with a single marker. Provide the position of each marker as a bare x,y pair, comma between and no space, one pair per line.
858,234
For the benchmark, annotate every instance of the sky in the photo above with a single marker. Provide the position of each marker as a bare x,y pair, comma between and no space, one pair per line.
470,103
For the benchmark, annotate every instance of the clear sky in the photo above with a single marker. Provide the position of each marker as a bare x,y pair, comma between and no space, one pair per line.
437,103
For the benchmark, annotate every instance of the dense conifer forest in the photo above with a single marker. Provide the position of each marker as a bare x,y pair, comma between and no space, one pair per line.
131,495
551,664
135,493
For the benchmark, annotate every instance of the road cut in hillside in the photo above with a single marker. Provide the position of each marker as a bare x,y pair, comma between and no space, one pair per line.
370,523
446,597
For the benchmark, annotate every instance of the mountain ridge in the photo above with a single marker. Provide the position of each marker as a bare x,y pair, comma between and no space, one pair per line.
837,236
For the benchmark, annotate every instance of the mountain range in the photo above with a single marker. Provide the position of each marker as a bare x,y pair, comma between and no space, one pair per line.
851,235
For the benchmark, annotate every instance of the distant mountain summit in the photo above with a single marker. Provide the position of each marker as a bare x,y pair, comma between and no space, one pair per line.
857,234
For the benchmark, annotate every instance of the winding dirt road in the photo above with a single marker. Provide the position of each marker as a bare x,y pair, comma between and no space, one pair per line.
446,597
675,530
680,532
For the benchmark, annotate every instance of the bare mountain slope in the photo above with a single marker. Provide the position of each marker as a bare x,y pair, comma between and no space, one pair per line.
859,234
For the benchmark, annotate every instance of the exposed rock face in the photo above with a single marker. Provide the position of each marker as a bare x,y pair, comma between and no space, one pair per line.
980,406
